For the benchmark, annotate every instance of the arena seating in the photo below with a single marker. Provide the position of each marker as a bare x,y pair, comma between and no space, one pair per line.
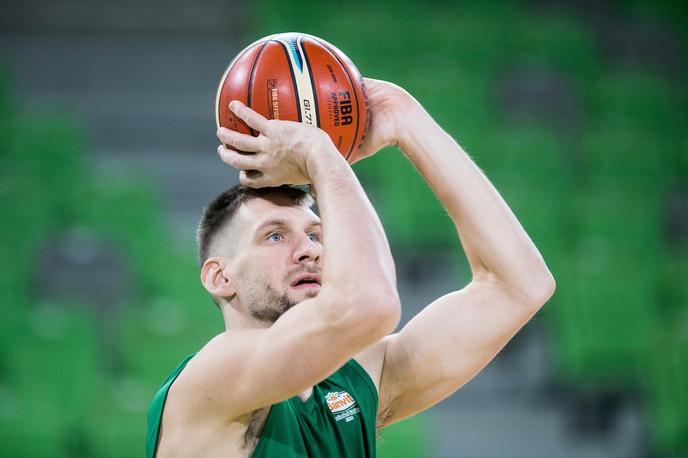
590,178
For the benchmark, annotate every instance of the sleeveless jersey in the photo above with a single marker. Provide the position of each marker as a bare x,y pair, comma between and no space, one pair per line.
338,420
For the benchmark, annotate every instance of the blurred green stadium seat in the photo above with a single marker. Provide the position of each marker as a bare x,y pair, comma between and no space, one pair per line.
558,41
405,203
54,379
666,390
407,438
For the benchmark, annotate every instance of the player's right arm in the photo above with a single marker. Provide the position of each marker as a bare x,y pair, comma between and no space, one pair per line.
243,370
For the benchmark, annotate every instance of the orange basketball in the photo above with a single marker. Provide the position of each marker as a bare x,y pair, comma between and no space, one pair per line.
297,77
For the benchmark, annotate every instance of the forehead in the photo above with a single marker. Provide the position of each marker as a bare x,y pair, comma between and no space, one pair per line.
260,210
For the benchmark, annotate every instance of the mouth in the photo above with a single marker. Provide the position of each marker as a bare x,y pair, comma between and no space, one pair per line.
306,281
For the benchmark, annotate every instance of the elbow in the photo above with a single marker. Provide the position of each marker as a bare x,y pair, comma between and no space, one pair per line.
541,290
377,313
371,315
387,312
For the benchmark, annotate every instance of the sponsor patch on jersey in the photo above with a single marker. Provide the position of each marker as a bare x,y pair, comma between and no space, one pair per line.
342,405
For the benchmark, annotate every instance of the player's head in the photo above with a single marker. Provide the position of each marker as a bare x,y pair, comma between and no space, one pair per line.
260,250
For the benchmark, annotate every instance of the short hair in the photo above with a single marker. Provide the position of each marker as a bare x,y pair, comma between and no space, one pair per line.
222,209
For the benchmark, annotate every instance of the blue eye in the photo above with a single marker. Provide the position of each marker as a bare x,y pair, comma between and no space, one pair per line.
314,237
275,237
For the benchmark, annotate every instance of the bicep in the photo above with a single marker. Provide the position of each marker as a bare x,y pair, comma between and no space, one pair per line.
446,345
243,370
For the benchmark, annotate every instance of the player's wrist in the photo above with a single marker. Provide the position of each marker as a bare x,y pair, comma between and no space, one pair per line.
409,122
323,160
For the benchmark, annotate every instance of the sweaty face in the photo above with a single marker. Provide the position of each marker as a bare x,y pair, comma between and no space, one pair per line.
277,260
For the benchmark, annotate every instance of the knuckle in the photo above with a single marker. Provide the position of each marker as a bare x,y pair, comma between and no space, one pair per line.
274,128
227,137
232,160
262,162
320,134
261,143
254,183
223,152
244,179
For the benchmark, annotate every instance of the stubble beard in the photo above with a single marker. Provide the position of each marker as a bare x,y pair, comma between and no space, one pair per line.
277,305
268,304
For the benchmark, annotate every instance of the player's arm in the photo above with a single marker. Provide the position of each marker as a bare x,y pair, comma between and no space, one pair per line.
242,370
453,338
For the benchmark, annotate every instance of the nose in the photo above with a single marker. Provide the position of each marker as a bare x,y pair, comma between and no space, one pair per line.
307,250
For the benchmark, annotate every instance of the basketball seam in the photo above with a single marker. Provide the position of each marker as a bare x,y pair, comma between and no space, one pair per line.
353,88
310,74
293,79
222,83
250,81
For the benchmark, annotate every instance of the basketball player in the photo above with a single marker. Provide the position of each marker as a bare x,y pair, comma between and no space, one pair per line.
306,365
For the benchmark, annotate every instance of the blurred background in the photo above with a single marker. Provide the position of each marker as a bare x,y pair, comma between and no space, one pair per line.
576,110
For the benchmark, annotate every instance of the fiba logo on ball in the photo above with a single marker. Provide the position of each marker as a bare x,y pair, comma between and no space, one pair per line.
273,100
297,77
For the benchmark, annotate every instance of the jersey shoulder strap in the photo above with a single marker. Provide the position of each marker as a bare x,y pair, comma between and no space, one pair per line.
353,375
157,405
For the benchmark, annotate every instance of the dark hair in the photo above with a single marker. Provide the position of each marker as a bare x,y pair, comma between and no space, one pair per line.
223,208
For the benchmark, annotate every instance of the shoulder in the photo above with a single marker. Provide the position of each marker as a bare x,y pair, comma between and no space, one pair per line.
157,407
184,406
186,389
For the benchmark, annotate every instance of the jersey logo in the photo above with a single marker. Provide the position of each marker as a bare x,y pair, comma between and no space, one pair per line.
342,405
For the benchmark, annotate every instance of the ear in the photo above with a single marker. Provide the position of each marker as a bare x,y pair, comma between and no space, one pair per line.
215,279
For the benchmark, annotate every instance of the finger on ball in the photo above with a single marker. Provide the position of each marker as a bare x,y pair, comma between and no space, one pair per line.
236,159
239,141
252,118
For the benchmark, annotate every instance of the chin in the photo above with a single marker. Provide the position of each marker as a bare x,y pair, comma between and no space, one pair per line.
303,296
311,294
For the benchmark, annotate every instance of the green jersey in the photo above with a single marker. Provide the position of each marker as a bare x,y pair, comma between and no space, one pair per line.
338,420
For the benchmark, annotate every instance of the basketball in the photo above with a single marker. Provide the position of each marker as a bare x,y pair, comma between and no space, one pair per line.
297,77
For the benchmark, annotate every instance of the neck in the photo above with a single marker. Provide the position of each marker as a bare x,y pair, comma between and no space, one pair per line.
234,318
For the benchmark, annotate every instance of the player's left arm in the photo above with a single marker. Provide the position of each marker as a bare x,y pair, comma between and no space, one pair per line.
457,335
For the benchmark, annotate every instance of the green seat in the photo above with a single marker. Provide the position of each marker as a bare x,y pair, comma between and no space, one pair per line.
607,317
410,212
666,389
55,379
407,438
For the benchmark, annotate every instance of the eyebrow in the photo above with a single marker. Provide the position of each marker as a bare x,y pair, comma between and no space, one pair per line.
281,222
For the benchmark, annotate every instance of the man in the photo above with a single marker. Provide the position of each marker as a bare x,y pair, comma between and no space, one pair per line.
306,366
